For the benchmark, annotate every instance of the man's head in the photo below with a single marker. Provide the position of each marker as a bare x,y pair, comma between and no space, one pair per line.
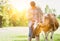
32,3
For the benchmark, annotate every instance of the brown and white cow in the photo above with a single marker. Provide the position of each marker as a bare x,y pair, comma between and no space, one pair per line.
50,24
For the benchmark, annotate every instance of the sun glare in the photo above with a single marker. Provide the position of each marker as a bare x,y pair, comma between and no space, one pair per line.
18,4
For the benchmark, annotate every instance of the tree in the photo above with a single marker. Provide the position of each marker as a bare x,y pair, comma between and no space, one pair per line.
4,12
48,10
58,17
11,16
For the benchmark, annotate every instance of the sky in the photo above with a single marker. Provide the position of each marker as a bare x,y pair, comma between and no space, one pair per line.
21,4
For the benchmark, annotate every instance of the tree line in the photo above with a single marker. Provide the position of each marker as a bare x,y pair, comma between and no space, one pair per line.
10,16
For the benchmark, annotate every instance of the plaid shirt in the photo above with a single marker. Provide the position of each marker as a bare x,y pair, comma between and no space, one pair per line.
35,14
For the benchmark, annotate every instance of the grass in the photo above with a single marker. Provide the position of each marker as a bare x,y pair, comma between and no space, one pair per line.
17,37
56,37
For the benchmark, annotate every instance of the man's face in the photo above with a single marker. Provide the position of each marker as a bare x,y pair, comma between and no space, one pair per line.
32,4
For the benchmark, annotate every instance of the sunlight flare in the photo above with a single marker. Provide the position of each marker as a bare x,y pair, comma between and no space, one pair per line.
19,5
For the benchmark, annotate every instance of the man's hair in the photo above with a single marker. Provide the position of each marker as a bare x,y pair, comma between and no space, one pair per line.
32,3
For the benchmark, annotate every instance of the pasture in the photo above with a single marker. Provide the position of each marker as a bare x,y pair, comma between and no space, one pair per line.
21,34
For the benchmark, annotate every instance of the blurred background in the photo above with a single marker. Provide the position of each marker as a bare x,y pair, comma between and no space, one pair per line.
13,12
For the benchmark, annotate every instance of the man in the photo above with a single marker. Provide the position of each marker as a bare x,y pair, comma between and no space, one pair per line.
34,16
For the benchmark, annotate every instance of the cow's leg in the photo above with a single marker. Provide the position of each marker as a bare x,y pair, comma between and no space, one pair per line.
51,37
46,36
37,37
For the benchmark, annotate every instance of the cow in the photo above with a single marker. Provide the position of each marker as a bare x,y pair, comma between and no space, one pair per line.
49,24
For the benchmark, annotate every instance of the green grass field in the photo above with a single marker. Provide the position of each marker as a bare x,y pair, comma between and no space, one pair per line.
19,34
10,37
56,37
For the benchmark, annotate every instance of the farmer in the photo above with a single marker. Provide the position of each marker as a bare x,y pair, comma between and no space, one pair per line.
34,16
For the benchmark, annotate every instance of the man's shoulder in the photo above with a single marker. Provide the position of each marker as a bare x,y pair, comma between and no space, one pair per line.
38,7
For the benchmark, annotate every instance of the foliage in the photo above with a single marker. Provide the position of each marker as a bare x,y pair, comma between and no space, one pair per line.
48,10
58,17
11,16
52,11
3,12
